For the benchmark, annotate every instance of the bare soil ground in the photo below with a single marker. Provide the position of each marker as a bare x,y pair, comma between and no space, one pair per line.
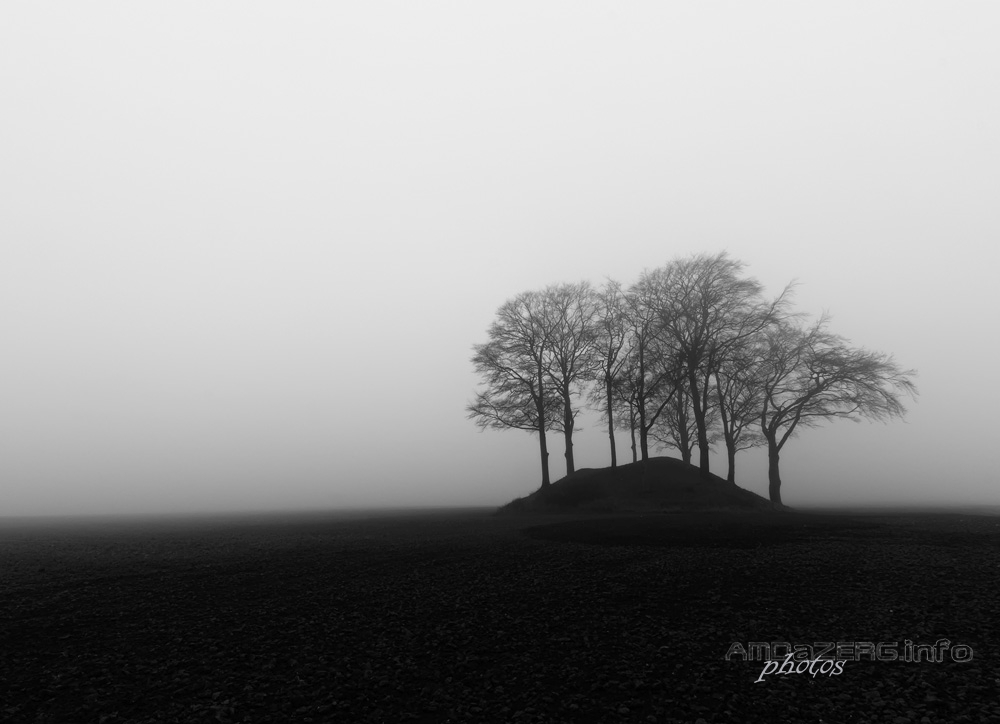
462,616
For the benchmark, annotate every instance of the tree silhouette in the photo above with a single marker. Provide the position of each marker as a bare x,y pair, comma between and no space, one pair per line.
611,353
570,314
704,310
690,353
626,403
809,375
738,399
518,392
676,428
654,364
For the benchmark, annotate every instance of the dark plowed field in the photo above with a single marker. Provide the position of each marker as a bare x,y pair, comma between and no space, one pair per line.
467,617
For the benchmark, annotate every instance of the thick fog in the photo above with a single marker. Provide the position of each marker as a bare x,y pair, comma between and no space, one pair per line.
247,247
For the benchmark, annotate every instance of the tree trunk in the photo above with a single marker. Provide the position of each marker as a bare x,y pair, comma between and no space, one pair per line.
773,477
682,430
611,426
635,456
568,428
543,446
641,401
727,432
544,451
643,432
699,421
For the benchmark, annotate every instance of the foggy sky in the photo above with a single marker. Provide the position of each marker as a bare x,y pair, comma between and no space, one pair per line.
247,247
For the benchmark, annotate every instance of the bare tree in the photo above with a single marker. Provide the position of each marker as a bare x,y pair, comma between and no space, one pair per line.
626,404
738,399
810,375
611,353
705,308
570,312
676,426
655,365
513,365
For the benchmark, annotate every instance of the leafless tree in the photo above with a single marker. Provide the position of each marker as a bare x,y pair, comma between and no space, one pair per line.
513,366
626,403
809,375
611,353
738,400
653,362
570,314
705,308
676,426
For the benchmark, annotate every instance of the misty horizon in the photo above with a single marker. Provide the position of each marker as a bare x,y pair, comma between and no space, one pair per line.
247,252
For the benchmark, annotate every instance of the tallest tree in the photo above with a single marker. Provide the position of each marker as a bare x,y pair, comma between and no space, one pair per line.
705,310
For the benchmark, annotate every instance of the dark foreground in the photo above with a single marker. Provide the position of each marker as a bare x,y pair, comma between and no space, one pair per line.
463,617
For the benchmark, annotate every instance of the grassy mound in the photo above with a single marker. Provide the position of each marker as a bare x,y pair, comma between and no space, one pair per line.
659,484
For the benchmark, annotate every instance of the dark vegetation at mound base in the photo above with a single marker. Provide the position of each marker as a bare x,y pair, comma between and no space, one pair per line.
658,484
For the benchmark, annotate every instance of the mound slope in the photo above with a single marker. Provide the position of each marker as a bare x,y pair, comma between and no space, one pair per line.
658,484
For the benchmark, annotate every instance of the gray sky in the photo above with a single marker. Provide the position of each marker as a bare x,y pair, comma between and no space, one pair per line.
247,247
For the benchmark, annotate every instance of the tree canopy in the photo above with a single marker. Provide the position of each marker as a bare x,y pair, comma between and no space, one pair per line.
689,355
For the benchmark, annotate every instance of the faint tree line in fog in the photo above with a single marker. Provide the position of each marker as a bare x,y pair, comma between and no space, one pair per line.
689,355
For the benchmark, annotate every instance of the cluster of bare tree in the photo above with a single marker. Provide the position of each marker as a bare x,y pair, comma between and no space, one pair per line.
689,355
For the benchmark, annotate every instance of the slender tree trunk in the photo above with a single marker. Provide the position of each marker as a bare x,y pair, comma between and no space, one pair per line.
544,451
643,432
543,447
611,425
773,477
699,421
727,433
685,441
682,430
631,427
568,428
641,400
